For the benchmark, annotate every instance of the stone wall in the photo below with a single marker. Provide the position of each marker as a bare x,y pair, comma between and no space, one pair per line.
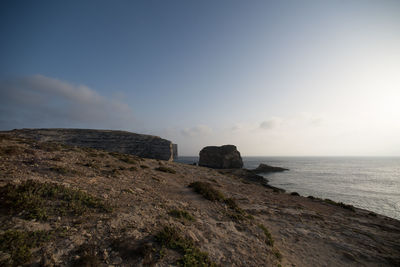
147,146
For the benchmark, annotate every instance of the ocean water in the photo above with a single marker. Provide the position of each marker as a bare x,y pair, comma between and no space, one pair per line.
371,183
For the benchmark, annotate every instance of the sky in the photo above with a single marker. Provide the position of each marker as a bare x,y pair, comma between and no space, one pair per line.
274,78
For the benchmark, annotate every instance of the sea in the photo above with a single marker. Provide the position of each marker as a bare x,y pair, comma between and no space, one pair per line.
371,183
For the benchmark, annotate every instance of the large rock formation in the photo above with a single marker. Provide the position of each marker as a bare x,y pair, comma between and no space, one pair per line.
220,157
146,146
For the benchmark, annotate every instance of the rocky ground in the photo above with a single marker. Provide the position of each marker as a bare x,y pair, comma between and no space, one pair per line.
67,206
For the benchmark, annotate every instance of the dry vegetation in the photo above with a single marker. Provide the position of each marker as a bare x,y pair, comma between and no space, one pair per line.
69,206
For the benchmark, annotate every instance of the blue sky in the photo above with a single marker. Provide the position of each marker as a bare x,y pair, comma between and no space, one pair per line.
272,77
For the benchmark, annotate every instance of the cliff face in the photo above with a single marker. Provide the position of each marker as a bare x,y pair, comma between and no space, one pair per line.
146,146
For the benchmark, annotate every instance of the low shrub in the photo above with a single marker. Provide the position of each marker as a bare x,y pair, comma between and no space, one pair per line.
207,191
181,214
268,237
169,237
165,169
277,254
231,203
37,200
19,244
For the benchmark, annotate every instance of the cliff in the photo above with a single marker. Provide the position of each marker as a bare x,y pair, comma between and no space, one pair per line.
71,206
146,146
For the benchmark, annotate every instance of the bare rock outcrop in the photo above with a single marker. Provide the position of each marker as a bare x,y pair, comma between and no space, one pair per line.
146,146
264,168
221,157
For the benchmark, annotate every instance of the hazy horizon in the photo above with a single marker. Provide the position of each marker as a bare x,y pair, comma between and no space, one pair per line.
275,78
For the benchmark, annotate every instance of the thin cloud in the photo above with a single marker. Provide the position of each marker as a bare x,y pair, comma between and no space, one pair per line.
199,130
271,123
40,101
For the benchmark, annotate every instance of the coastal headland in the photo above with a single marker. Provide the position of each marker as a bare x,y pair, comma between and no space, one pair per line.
65,205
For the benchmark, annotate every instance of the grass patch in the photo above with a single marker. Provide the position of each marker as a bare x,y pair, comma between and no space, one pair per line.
36,200
19,244
165,169
340,204
268,237
181,214
235,216
170,238
207,191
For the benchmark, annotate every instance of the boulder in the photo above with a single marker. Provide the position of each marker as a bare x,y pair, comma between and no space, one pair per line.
264,168
220,157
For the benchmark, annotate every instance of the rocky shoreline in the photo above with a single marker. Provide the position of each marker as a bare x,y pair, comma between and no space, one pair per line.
88,207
